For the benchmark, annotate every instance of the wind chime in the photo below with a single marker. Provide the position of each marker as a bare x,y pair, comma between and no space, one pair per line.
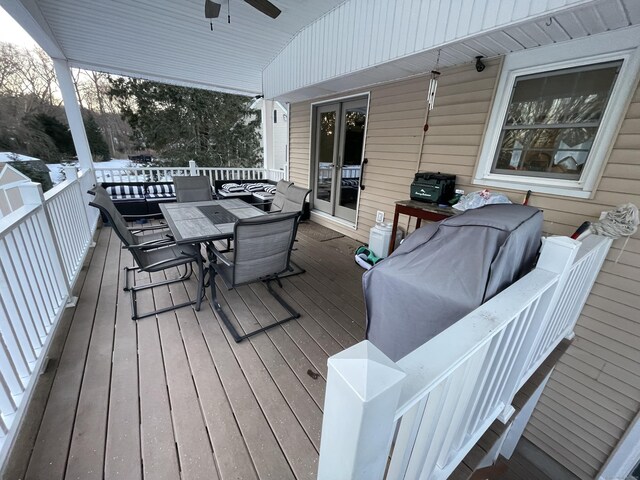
431,93
431,100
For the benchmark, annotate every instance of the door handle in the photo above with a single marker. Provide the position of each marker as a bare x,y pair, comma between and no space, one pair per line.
364,162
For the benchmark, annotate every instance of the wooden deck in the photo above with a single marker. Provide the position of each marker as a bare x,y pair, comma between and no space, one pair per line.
174,397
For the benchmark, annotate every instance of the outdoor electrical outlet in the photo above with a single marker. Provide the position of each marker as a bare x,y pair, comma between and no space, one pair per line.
379,216
460,191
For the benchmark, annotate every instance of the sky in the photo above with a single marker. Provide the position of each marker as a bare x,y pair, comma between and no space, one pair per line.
11,32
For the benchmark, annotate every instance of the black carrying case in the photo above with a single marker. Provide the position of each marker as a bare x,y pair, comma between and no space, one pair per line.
433,187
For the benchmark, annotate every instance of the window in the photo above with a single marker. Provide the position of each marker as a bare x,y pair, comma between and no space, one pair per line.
556,114
552,120
275,116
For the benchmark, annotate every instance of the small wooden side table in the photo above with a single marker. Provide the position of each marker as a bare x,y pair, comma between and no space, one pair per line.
420,210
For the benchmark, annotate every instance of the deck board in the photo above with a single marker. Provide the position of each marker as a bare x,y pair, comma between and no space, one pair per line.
86,453
50,451
123,439
158,446
194,449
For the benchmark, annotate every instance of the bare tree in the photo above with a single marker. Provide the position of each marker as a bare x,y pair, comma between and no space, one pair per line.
9,66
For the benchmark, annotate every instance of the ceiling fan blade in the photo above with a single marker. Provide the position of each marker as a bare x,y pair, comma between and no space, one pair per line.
211,9
265,6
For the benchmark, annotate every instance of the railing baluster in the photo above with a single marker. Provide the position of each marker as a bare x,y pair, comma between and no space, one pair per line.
17,309
29,267
9,333
8,370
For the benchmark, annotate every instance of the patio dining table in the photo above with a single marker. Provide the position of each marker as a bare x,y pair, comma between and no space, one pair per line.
206,222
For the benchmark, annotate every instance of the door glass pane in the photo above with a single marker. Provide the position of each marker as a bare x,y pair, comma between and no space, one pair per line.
326,143
354,120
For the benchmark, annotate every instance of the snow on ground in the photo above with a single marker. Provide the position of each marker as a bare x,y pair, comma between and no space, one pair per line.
55,169
15,157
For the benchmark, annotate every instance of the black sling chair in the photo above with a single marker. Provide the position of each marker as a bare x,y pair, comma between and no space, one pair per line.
192,189
291,199
262,250
152,252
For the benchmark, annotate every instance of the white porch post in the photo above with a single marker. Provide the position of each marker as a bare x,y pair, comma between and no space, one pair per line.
363,388
74,115
267,133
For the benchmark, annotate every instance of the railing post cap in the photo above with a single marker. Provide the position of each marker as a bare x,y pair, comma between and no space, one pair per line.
562,240
367,370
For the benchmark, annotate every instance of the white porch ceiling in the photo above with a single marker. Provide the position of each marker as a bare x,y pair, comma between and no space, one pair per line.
167,40
314,48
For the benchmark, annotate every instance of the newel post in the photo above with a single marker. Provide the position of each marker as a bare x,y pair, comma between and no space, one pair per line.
193,168
363,389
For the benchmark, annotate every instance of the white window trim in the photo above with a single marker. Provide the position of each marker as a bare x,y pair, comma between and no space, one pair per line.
610,46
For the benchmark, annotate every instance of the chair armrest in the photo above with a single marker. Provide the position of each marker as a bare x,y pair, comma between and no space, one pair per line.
192,258
219,255
162,226
153,244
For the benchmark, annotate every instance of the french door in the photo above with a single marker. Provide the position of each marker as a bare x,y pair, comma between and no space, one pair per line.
339,131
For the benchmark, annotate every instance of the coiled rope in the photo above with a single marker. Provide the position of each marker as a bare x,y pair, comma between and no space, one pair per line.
620,222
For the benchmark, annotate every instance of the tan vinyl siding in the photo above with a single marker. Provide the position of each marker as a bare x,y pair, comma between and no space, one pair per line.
594,392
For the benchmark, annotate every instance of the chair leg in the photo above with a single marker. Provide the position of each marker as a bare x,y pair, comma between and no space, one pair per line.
232,329
135,289
293,269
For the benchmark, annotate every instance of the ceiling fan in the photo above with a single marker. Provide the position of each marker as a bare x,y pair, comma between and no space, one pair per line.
212,9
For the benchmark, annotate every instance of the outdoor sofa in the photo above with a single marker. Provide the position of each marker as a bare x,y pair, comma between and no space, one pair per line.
143,199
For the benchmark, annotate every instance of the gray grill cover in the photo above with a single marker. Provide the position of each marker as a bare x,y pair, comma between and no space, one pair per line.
445,270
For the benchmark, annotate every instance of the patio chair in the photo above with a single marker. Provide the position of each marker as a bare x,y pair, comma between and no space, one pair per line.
279,198
153,252
262,250
294,199
192,189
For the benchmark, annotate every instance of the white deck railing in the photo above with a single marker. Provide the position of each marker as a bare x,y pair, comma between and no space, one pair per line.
43,245
420,416
166,174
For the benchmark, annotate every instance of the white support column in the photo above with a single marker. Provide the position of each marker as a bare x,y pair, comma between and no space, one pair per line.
74,115
267,133
363,388
193,168
287,166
